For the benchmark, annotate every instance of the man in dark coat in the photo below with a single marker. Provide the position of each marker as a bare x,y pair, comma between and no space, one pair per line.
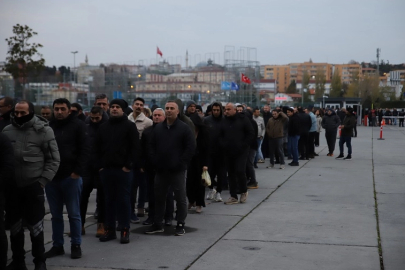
171,148
216,167
6,104
306,124
265,145
348,124
330,122
6,177
294,131
66,188
118,149
236,134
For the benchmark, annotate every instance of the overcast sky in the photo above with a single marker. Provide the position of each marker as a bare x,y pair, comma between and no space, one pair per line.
281,32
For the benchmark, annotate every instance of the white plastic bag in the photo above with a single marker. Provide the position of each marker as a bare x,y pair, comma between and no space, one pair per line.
206,179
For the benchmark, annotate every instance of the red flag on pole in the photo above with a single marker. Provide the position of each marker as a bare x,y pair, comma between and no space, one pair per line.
245,79
159,52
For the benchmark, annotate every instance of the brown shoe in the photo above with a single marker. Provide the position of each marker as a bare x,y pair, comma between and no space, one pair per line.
100,230
140,212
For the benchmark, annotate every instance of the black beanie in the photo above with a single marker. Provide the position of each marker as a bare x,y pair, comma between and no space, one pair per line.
122,103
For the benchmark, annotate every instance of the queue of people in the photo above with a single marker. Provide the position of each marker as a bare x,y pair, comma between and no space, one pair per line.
133,156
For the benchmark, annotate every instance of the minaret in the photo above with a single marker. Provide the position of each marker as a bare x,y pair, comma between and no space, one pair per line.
86,61
186,59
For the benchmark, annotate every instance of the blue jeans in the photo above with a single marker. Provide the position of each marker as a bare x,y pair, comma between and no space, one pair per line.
259,154
348,141
117,191
65,191
293,147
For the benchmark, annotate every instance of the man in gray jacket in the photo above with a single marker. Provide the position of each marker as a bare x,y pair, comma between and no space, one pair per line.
36,160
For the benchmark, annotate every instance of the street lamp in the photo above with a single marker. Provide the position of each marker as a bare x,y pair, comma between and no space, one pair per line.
74,64
323,102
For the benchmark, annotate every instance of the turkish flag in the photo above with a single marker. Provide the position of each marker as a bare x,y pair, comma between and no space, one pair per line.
245,79
159,52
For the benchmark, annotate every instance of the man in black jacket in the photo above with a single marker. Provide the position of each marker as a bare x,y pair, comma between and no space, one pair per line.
6,177
91,178
330,122
265,145
294,131
216,166
117,149
349,122
171,147
236,134
66,188
6,104
306,124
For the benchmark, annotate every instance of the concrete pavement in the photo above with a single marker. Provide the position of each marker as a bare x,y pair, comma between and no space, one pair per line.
320,215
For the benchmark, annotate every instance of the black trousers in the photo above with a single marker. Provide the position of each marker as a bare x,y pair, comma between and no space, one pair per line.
216,168
27,203
236,166
331,140
311,143
89,182
150,177
316,140
195,188
3,236
303,145
163,182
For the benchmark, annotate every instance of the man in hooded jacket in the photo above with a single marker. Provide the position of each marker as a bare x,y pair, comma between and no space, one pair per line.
330,122
36,160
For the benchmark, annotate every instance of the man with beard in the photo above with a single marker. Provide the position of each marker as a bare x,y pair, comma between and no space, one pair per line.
216,167
117,149
142,122
66,188
236,134
36,160
330,122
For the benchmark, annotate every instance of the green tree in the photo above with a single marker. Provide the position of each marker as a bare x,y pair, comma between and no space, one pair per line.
292,88
336,85
21,57
320,80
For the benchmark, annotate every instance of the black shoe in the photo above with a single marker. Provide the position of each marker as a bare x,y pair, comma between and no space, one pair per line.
17,266
252,185
76,252
341,156
154,229
108,235
148,221
40,266
168,222
301,158
316,155
54,251
294,164
349,157
96,214
179,230
255,166
124,236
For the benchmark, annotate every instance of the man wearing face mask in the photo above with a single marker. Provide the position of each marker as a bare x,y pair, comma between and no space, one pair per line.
36,160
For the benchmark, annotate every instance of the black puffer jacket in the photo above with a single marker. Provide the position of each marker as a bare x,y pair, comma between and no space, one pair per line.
330,122
294,125
214,125
306,122
236,134
117,144
74,149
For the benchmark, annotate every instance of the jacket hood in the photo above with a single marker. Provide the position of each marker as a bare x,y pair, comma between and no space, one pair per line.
220,108
181,106
333,112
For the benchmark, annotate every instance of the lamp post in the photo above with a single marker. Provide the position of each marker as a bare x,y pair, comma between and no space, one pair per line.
74,64
323,102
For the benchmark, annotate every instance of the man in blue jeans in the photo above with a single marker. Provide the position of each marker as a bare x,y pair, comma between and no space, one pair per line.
117,150
66,187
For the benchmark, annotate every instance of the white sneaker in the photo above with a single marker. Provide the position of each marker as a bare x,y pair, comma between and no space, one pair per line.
211,194
218,197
